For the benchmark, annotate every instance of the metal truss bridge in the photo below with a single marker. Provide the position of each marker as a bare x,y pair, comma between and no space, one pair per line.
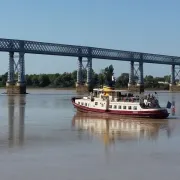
34,47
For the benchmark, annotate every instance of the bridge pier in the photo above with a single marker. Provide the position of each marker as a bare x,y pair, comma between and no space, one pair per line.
12,86
140,84
21,84
89,74
80,85
173,86
172,82
132,86
10,80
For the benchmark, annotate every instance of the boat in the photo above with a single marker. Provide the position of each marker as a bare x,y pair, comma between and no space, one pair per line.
108,101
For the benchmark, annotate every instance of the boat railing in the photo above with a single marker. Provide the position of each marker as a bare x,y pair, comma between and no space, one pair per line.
126,100
148,103
149,107
121,99
116,98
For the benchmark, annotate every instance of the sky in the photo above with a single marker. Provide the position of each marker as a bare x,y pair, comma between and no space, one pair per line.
151,26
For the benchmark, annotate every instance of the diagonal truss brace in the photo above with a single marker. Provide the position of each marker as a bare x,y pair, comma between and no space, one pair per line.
15,68
177,73
16,64
136,73
85,63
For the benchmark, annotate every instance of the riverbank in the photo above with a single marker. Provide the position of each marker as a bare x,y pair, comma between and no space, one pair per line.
72,88
45,88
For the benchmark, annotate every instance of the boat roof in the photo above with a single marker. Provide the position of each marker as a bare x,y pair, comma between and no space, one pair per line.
110,90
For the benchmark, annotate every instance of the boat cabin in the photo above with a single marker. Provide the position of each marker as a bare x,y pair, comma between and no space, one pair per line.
146,101
115,95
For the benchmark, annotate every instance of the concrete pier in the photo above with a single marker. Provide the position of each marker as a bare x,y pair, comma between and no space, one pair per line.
15,89
81,88
174,87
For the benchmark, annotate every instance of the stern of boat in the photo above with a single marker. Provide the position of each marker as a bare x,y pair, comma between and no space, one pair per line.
161,114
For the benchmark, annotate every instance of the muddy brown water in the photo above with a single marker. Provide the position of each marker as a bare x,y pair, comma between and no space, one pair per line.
42,137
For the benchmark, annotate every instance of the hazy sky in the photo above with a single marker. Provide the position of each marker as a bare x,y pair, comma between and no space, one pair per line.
139,25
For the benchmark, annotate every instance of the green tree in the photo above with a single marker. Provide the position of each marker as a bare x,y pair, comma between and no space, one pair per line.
101,79
29,80
95,80
35,81
109,72
124,79
167,78
43,80
106,76
57,81
148,81
98,79
74,75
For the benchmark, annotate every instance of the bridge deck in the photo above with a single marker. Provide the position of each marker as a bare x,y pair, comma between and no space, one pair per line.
34,47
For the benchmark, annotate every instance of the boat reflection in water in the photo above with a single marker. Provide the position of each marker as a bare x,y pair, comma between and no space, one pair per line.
16,113
120,129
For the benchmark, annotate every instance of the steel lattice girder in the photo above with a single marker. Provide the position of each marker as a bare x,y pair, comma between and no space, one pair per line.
33,47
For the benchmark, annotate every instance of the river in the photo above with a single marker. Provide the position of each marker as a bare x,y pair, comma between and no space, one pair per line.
43,138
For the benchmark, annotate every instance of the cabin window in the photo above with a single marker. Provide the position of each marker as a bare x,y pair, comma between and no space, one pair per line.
115,123
85,104
110,106
135,108
119,107
124,107
115,107
82,103
129,107
78,102
96,103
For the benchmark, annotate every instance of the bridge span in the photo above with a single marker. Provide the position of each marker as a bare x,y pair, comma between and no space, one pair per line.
33,47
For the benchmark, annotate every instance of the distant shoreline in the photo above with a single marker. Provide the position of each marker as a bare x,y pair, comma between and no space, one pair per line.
45,88
49,88
71,88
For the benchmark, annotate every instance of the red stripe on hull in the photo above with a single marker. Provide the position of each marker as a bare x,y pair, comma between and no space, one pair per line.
161,114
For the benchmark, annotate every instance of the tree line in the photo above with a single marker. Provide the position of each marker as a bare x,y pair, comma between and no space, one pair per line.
68,80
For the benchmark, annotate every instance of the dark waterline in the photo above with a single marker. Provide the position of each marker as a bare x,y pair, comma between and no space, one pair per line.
42,137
